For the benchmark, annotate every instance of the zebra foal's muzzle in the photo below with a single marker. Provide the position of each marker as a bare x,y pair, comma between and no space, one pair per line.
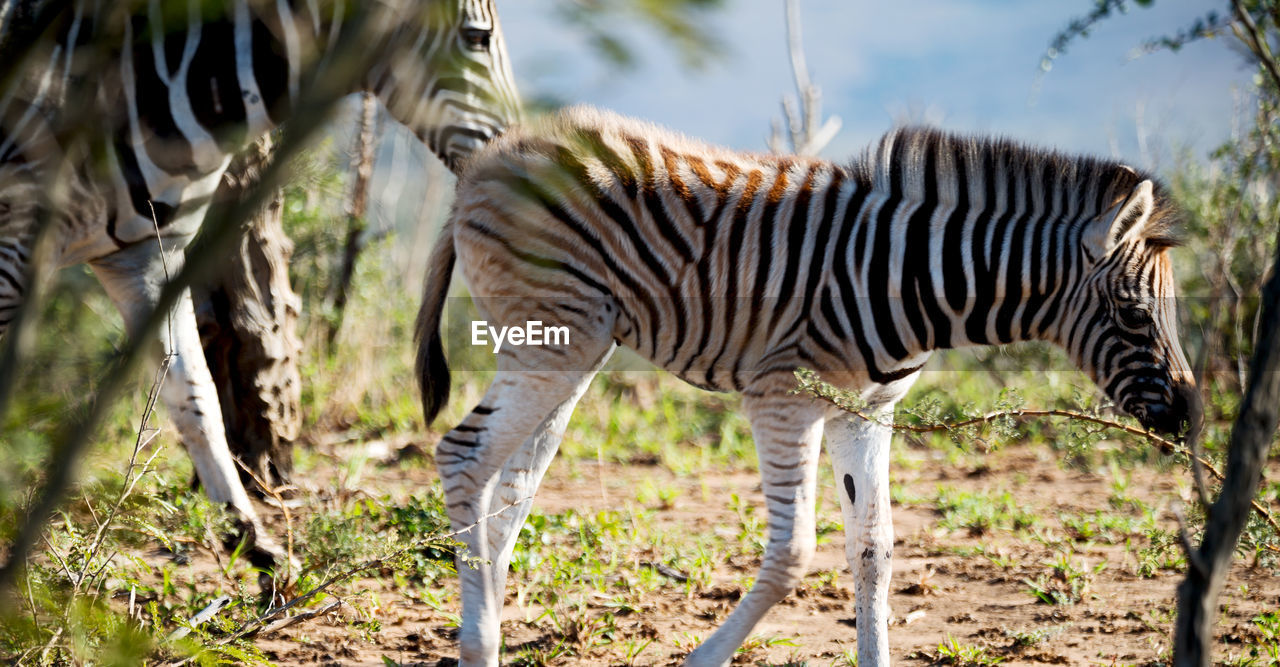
1182,415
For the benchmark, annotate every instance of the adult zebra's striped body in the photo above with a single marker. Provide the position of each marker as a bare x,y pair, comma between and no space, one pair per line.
143,103
733,270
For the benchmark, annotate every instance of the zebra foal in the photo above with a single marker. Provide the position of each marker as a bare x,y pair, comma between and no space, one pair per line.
163,93
732,270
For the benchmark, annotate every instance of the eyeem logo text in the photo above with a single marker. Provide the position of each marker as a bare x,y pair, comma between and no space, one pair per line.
532,333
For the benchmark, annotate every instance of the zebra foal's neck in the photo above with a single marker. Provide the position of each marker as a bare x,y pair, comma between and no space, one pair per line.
979,240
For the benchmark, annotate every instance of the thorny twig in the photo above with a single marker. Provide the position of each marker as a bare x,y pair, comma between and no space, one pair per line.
274,492
304,616
144,439
164,264
1168,447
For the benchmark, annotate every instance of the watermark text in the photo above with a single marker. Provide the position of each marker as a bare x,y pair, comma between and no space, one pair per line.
532,333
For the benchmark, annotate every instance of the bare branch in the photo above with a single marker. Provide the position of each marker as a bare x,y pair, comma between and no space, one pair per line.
1167,447
1256,41
802,114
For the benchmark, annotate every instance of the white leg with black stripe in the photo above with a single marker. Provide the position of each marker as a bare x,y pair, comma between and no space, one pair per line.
508,440
859,451
519,480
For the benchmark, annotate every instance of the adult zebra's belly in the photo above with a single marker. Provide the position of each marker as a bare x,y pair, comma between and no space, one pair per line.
134,215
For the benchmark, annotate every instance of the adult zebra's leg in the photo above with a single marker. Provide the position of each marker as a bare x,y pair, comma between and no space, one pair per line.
788,432
859,451
519,480
133,278
518,422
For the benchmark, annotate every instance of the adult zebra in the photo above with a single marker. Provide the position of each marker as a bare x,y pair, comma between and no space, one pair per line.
169,90
732,270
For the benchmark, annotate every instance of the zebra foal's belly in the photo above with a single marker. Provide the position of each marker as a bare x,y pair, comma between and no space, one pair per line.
705,340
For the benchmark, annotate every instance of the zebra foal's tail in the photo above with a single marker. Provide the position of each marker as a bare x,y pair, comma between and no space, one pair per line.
432,367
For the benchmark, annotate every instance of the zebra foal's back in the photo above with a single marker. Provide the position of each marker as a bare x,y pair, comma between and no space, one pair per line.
701,249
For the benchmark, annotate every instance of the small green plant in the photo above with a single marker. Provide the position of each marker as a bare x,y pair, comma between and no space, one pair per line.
632,648
541,656
1268,645
755,642
1067,582
687,641
952,652
1098,527
998,557
1164,552
980,513
847,657
1030,638
662,495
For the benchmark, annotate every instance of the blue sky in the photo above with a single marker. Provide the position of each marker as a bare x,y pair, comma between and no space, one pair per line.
967,65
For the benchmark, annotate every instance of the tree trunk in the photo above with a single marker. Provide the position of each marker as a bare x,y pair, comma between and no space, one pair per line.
1251,437
366,140
248,319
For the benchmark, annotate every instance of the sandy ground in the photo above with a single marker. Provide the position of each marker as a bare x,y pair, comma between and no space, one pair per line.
942,589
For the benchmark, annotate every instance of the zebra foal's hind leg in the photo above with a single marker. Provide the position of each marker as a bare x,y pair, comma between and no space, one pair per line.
493,461
520,477
788,433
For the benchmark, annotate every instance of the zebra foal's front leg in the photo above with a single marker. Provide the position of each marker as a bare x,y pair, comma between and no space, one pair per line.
788,432
859,451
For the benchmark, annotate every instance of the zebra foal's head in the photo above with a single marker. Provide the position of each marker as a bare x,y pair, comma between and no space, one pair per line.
1123,323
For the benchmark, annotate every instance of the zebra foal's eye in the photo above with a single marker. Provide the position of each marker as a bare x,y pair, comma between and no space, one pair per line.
476,39
1133,317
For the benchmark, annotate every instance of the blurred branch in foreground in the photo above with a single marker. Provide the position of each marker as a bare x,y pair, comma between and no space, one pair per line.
349,58
680,22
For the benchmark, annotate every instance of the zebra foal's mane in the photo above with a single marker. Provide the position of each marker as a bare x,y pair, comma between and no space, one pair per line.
907,158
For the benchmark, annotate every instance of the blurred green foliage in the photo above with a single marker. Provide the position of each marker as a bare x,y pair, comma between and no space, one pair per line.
683,23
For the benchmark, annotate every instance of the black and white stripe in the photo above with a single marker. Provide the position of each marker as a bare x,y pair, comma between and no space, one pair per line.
186,89
733,270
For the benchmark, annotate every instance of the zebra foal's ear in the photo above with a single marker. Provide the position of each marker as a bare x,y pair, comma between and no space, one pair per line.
1125,221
